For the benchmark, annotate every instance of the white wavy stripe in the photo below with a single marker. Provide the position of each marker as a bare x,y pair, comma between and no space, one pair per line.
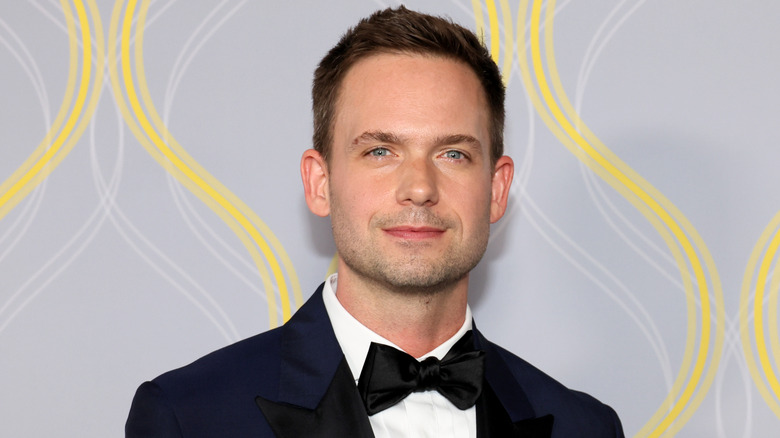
652,334
647,327
209,299
591,56
195,222
120,222
180,67
600,198
149,22
589,61
592,53
733,337
594,186
732,345
190,215
57,19
732,350
182,63
27,213
32,71
24,219
523,174
157,13
49,269
594,50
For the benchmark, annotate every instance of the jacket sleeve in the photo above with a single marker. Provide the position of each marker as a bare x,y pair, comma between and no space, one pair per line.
151,415
618,426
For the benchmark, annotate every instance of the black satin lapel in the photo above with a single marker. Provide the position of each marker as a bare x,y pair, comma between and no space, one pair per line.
494,422
540,427
339,414
492,419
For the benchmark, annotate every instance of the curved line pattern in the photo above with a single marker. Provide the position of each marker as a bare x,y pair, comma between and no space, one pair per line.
666,219
479,19
761,259
57,143
570,251
161,145
25,217
190,215
509,42
51,151
495,33
733,351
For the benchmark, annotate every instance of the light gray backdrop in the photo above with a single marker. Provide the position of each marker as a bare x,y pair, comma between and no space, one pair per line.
112,271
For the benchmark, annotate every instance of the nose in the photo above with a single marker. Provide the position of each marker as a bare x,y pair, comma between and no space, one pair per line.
417,183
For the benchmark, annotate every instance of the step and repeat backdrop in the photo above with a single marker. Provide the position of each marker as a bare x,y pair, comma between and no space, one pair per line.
151,208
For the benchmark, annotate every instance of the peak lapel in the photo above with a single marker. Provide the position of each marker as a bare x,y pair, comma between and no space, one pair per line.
505,412
339,414
493,421
316,396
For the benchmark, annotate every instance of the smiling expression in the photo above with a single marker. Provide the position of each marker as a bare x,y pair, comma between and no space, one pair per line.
411,190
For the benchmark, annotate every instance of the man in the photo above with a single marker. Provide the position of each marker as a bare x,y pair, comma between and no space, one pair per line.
408,163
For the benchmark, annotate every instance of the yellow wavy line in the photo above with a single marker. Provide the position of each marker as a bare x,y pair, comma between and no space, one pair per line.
224,191
744,316
690,344
702,357
479,19
495,34
758,314
630,196
509,42
139,134
225,204
619,175
774,333
70,88
40,164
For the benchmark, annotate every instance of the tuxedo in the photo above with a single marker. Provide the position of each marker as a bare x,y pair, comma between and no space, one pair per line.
293,381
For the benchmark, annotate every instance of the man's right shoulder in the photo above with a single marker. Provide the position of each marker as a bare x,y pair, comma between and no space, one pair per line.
210,395
258,354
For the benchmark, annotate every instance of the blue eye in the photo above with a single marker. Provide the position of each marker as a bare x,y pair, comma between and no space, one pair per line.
454,155
379,152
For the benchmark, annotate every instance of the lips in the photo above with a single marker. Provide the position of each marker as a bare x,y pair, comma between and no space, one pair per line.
414,233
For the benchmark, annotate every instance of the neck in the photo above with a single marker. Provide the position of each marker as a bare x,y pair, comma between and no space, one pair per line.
416,321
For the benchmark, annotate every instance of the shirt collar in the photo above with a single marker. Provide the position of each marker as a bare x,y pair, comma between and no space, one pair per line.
355,338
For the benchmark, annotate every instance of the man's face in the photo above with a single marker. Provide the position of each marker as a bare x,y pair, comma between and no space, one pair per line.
410,187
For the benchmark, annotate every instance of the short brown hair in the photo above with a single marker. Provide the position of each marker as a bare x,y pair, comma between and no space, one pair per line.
403,31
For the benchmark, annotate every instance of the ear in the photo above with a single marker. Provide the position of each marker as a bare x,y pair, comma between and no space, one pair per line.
502,180
314,173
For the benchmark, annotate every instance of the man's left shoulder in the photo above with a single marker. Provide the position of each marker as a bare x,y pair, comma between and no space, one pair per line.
576,413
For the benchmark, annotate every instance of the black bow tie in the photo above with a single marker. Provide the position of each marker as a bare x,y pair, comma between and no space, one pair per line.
389,375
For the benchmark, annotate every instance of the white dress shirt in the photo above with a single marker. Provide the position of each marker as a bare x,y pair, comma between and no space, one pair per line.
420,415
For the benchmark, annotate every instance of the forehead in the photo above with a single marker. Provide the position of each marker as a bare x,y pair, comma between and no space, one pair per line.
403,68
410,91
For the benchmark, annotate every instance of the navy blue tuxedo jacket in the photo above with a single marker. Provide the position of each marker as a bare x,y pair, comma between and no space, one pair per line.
293,381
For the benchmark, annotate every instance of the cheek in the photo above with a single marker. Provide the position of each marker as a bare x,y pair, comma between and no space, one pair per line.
476,207
359,199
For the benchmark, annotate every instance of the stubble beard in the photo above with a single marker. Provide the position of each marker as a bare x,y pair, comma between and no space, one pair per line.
410,269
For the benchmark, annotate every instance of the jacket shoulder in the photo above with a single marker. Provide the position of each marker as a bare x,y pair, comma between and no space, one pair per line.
212,395
249,363
576,413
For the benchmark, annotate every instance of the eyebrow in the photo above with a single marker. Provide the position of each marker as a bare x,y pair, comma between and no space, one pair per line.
392,138
377,136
